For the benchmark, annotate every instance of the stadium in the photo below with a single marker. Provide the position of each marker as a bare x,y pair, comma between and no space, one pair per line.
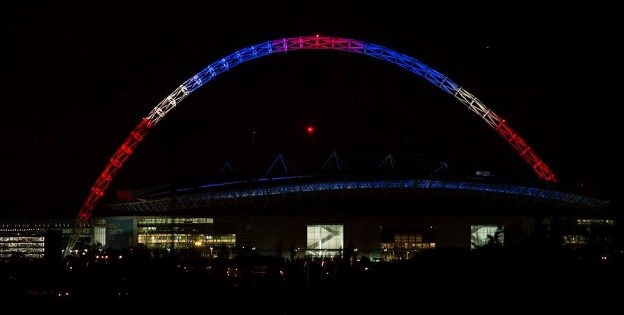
383,215
370,230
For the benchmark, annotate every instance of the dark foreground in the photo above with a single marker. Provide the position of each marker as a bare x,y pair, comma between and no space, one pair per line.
267,285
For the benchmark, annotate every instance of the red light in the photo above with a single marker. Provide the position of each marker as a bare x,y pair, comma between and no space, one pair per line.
310,130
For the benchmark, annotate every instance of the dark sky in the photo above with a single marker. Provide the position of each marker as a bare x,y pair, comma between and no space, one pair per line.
77,77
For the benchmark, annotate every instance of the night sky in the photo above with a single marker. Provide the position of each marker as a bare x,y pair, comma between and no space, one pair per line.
76,78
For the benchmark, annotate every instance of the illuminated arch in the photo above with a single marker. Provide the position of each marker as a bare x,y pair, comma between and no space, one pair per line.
298,43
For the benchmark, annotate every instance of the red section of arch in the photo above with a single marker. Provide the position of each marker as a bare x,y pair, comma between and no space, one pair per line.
114,164
526,153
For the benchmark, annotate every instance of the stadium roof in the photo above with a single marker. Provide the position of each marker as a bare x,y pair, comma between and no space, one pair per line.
263,190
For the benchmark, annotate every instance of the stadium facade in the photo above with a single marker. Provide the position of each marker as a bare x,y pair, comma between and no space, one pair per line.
382,218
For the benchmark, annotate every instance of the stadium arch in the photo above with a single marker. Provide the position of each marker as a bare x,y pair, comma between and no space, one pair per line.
315,42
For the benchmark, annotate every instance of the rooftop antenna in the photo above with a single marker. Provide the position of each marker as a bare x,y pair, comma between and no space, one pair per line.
443,165
336,161
388,163
280,163
227,168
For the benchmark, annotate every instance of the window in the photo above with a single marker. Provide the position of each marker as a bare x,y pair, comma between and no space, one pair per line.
594,222
28,246
168,220
99,235
482,235
404,246
325,240
574,239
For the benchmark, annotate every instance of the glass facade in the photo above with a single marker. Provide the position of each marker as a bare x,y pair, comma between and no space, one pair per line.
595,222
157,240
574,239
159,232
32,239
325,240
99,235
160,240
155,221
404,246
179,232
404,241
120,232
484,235
224,239
594,237
26,246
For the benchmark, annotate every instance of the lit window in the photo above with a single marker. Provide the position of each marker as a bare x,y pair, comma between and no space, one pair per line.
482,235
325,240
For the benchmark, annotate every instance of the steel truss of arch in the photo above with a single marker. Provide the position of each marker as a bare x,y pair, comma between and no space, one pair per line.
303,43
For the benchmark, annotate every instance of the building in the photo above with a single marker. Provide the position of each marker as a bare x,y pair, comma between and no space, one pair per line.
36,239
385,218
382,218
159,232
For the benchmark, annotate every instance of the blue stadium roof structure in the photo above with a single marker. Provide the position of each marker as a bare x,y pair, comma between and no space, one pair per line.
218,195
